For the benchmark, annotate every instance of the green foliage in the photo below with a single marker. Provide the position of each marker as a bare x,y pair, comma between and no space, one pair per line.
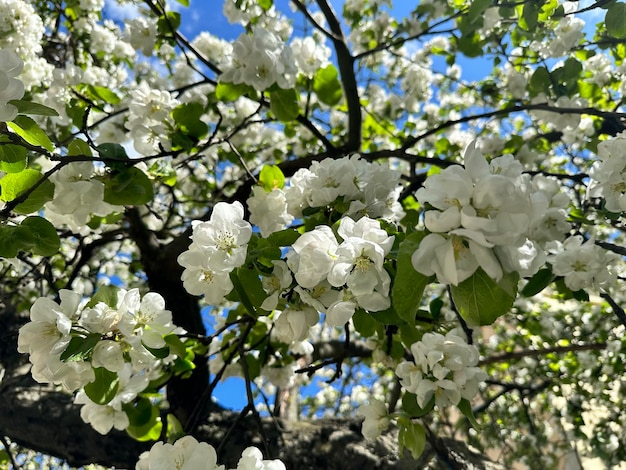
128,187
271,177
145,423
327,86
228,92
284,104
106,294
542,279
30,131
98,94
30,107
615,20
80,347
168,24
408,286
104,387
43,237
412,436
480,300
12,158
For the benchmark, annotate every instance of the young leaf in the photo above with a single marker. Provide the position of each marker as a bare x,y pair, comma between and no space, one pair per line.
80,147
465,407
80,347
45,237
271,177
14,184
28,130
106,295
36,199
284,104
412,437
12,240
542,279
104,388
230,92
409,285
128,187
12,158
28,107
615,20
327,86
480,300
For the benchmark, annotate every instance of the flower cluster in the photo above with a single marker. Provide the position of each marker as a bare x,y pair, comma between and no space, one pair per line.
268,210
218,246
149,120
609,174
189,454
78,196
354,266
260,60
10,87
583,265
71,344
363,188
485,215
443,367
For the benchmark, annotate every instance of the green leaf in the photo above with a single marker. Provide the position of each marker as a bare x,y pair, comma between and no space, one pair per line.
327,86
184,3
530,16
145,412
271,177
176,345
12,158
140,413
35,200
28,130
480,300
465,407
28,107
408,286
615,20
477,9
79,347
169,23
251,282
364,323
104,388
470,45
265,4
189,118
413,437
542,279
99,94
14,184
230,92
105,294
285,237
111,151
411,408
12,240
284,104
80,147
129,187
46,239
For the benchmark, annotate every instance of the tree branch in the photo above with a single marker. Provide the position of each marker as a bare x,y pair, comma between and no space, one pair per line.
348,78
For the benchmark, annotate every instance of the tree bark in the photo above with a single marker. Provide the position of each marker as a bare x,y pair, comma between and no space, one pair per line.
40,418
